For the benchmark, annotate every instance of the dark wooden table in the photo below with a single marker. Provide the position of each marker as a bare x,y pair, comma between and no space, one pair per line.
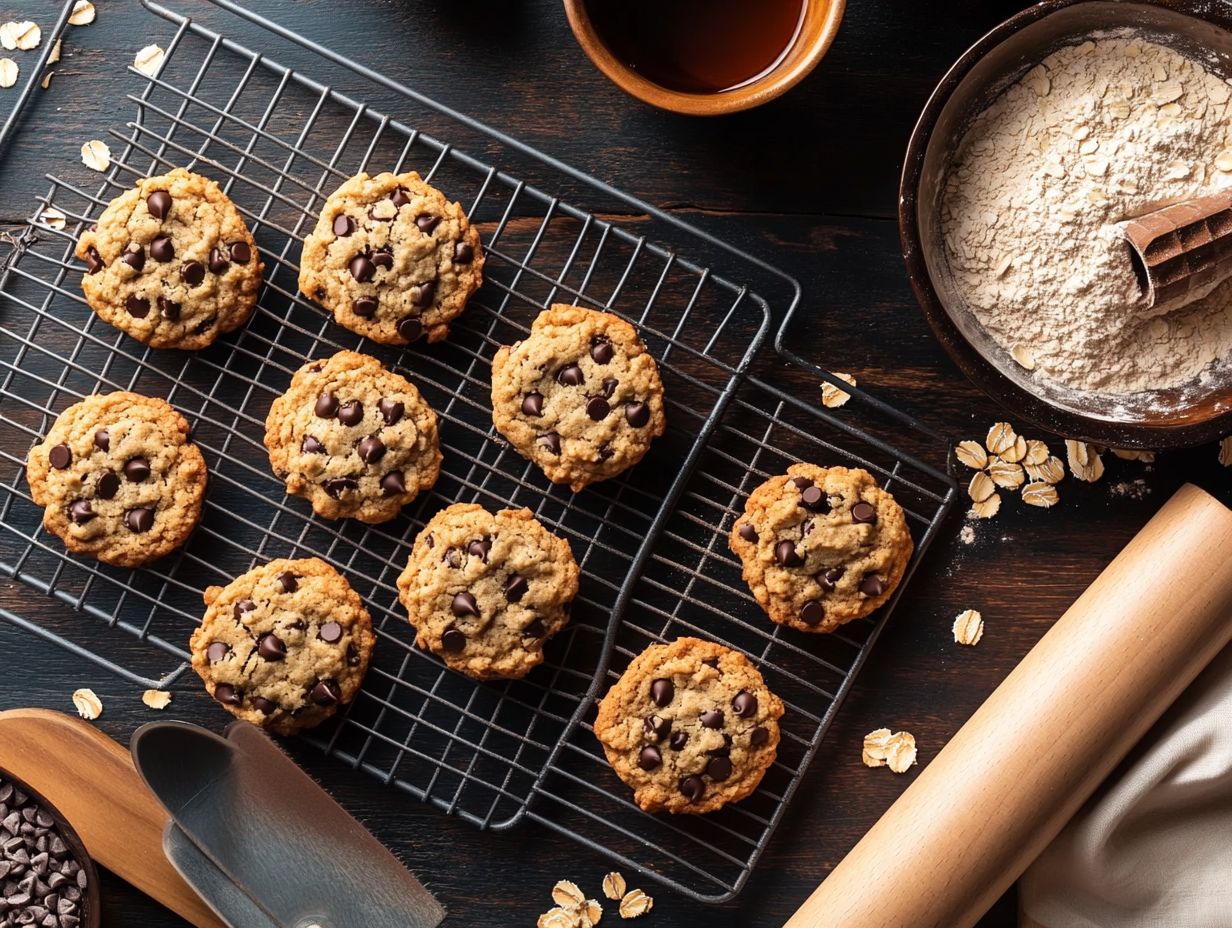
808,182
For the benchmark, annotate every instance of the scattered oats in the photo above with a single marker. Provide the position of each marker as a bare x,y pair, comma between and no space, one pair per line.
149,60
156,699
52,217
614,885
1077,451
1003,265
635,903
83,13
24,35
1015,452
55,52
556,918
592,914
96,155
981,487
831,396
870,761
967,534
1178,170
988,508
1167,92
902,753
1050,471
88,705
1223,161
1024,356
968,627
876,746
1225,451
1040,494
568,895
972,454
1146,457
8,72
46,81
1000,437
8,35
1084,461
1134,489
1037,452
1006,474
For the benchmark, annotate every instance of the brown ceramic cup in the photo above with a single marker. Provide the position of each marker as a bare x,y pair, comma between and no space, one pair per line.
821,21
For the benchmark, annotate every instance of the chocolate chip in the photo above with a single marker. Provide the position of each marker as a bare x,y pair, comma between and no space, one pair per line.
343,226
136,470
242,608
271,647
339,485
605,453
287,582
241,252
712,662
864,512
745,704
549,440
872,585
662,692
609,386
400,198
352,656
747,532
410,329
637,414
657,727
693,788
391,410
81,512
678,740
785,553
453,640
464,604
600,350
138,307
134,257
532,404
168,309
263,705
108,485
102,440
371,449
361,268
570,376
598,409
719,768
227,694
218,261
427,223
479,547
217,651
815,500
801,483
812,612
162,250
327,406
94,261
365,307
421,294
393,484
351,413
712,718
330,633
515,588
759,736
60,457
311,445
159,204
192,273
535,630
383,258
326,693
463,253
140,519
828,578
649,757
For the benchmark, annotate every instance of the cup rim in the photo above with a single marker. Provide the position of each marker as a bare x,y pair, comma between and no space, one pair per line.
762,90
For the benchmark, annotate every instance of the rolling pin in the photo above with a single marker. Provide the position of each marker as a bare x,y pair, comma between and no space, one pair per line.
1031,755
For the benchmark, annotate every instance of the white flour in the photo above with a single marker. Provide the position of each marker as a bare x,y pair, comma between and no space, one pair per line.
1096,133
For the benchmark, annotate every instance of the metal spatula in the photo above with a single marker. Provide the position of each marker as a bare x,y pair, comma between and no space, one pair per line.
263,844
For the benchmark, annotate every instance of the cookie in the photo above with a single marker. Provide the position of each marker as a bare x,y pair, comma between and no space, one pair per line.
284,645
353,438
580,396
392,259
821,546
118,478
171,263
485,592
690,726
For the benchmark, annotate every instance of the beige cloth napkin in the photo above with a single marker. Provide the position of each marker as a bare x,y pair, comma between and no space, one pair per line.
1153,848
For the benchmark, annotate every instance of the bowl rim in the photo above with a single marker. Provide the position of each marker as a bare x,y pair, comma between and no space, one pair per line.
978,369
762,90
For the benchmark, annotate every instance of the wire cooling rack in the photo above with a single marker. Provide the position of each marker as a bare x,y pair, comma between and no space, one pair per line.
651,544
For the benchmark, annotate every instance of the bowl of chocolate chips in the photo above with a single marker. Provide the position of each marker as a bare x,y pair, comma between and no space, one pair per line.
46,878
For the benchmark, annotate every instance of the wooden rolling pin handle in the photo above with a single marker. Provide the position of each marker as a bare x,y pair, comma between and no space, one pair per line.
1019,769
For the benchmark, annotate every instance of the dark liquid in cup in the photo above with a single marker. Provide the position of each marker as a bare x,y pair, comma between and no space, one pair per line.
698,46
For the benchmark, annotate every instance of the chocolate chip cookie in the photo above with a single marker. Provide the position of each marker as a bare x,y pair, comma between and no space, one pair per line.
580,396
392,258
353,438
485,592
284,645
690,726
118,478
821,546
171,262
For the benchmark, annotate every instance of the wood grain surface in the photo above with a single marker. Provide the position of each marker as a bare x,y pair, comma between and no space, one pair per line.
808,182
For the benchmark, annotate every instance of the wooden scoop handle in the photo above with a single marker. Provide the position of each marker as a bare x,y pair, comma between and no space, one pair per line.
1024,763
91,780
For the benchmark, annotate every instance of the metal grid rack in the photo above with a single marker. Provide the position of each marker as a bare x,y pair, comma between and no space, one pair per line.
651,544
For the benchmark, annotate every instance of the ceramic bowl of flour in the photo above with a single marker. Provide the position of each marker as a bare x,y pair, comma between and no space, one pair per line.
1066,119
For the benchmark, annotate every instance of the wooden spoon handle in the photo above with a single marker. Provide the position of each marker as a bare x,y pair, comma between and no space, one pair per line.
91,780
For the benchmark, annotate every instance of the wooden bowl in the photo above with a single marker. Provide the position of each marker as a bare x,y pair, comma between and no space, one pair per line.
1192,415
821,21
